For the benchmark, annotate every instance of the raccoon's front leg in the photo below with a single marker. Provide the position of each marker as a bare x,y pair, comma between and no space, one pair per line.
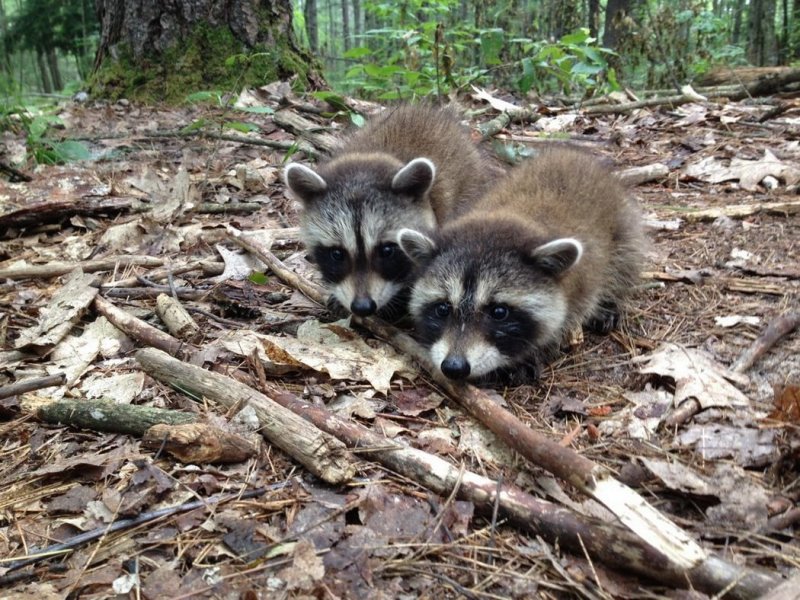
605,318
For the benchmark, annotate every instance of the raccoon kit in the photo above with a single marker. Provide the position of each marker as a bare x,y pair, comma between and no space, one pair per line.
556,245
408,168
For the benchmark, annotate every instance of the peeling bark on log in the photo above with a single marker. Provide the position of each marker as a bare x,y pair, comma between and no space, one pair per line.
100,415
291,121
57,212
322,454
179,322
199,443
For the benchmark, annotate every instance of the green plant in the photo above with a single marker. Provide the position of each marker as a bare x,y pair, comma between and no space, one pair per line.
575,63
40,148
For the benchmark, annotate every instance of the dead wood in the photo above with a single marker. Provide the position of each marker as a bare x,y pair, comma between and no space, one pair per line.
134,293
229,208
680,550
285,145
775,331
638,175
56,269
209,267
139,330
739,211
179,322
30,385
306,129
15,175
320,453
739,76
199,443
611,544
495,126
102,415
36,555
57,212
788,590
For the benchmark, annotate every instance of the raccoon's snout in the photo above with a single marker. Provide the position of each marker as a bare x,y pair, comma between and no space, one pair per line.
455,367
363,306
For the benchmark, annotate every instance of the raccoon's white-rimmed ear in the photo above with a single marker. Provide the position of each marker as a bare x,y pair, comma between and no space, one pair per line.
557,256
418,246
304,182
415,178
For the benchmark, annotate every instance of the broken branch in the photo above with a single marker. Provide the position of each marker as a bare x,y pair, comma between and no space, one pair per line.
775,331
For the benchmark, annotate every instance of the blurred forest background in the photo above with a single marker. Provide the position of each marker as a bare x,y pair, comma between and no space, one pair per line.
390,49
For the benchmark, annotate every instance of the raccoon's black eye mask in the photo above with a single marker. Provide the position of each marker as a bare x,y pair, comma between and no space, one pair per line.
333,261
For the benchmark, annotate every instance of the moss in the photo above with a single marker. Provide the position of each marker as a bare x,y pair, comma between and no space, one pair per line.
211,58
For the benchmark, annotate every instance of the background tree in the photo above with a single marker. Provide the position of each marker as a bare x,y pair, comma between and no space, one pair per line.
157,49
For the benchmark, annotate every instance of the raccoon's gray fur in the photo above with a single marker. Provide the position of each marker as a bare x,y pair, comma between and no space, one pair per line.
407,168
555,245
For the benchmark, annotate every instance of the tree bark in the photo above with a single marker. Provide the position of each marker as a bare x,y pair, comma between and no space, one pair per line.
593,16
761,46
47,87
310,13
357,21
738,11
148,37
55,73
616,11
345,26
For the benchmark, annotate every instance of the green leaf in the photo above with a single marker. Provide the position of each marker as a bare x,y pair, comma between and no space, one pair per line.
576,37
70,150
205,96
358,52
240,126
258,278
37,127
332,98
357,119
491,46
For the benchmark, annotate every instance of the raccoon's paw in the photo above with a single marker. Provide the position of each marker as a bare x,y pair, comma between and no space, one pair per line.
337,310
527,373
605,319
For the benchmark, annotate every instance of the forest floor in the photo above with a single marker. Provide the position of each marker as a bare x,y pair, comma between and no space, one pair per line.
716,452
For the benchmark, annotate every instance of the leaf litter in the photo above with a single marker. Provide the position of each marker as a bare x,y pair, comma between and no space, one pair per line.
721,472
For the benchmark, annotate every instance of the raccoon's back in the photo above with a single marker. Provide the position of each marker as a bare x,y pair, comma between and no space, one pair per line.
422,130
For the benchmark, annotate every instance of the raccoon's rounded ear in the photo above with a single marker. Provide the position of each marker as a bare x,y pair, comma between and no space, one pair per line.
415,178
557,256
418,246
304,182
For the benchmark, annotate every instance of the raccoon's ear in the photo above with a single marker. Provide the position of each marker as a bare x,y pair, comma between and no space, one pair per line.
304,183
418,246
557,256
415,178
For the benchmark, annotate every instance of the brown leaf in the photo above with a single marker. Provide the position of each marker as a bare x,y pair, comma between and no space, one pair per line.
787,404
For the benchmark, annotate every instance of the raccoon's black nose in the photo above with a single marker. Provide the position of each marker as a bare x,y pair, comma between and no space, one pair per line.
363,306
455,367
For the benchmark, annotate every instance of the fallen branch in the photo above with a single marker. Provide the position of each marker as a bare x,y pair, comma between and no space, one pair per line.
322,454
638,175
306,129
207,266
613,545
739,211
102,415
139,330
775,331
30,385
679,549
57,212
56,269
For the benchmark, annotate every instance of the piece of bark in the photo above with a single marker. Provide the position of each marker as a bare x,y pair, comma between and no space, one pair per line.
739,211
30,385
101,415
56,269
209,267
775,331
179,322
320,453
56,212
306,129
199,443
495,126
141,331
788,590
611,544
638,175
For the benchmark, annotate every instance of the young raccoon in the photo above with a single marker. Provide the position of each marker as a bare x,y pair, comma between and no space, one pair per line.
407,168
555,245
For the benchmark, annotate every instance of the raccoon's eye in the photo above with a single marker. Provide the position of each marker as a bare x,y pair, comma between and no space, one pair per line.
387,250
499,312
337,254
442,310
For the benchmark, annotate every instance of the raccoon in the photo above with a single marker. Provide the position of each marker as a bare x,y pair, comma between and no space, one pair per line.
408,168
555,245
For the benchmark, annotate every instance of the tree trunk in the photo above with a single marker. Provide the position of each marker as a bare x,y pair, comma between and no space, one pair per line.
55,74
357,24
796,33
47,87
761,47
616,12
5,55
345,26
142,41
593,16
738,10
784,39
310,13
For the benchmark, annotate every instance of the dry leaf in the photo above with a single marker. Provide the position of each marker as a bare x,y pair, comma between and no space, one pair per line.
749,173
696,375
